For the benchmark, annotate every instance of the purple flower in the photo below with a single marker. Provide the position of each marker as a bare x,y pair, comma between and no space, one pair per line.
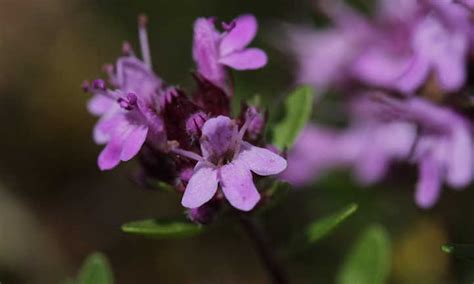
213,51
438,140
324,56
368,148
228,161
128,114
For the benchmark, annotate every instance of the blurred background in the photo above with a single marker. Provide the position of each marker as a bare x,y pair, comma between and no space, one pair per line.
56,206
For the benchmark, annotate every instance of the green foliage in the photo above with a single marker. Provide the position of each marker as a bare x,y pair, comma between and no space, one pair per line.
323,227
464,251
298,106
319,229
162,228
94,270
369,259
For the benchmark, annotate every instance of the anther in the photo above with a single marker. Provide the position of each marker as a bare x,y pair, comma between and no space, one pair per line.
129,102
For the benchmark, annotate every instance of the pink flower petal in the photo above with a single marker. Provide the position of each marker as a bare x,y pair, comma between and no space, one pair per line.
205,52
261,161
238,187
109,158
99,104
134,76
134,142
414,76
460,157
377,66
240,36
429,182
201,187
248,59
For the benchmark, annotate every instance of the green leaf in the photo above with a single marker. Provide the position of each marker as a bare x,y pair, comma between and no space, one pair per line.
465,251
323,227
369,259
318,230
298,108
160,185
95,270
162,228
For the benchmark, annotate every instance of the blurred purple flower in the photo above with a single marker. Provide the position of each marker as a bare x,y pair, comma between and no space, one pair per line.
324,56
384,131
406,43
368,148
228,161
213,51
443,150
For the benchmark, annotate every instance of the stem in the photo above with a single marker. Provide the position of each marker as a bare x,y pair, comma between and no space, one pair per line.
262,246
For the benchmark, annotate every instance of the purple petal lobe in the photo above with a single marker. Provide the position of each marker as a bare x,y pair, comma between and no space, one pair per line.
99,104
105,126
205,51
261,161
238,187
201,187
109,158
240,36
248,59
460,160
134,76
134,141
429,183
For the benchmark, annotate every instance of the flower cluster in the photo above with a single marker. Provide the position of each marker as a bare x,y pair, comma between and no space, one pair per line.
404,75
188,141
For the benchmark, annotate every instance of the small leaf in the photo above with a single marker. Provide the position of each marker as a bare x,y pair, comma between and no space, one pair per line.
369,259
298,108
95,270
162,228
326,225
318,230
160,185
465,251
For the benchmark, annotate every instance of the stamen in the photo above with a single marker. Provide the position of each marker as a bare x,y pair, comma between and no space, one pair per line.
174,147
143,35
250,114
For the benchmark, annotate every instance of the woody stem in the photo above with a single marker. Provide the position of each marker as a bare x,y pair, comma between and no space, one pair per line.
263,249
